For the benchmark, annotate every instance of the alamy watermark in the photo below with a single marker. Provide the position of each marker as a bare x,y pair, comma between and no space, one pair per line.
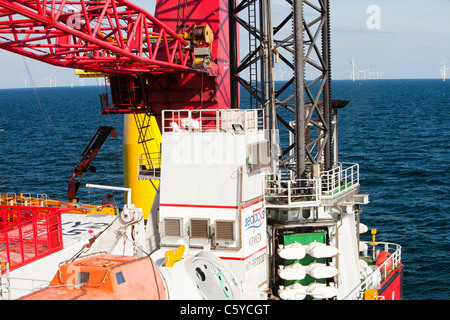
373,22
216,149
74,21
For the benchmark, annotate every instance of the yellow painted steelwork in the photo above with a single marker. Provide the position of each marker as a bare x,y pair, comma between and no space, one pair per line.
371,294
142,191
172,256
89,74
373,232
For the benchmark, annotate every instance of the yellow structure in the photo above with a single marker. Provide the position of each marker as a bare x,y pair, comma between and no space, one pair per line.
143,192
371,294
373,232
172,256
88,74
81,208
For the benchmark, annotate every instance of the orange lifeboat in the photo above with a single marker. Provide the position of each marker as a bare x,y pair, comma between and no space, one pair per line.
382,257
105,277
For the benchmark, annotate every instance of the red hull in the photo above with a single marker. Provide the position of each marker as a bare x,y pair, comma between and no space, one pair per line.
392,287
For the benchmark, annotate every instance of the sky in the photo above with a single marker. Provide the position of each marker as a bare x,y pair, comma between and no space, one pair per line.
403,39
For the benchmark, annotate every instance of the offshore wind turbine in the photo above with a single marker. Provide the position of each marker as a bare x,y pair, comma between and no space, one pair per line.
353,72
443,68
50,79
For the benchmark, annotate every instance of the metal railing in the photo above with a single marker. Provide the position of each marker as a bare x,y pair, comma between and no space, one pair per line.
16,287
381,272
28,234
339,179
149,166
292,193
24,199
282,191
208,120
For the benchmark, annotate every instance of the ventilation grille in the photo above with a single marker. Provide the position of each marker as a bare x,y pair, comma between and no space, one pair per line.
258,156
225,230
199,228
173,227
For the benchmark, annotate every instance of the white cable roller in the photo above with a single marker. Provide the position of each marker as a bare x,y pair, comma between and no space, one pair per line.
321,291
321,250
321,270
363,228
293,251
294,271
363,246
293,292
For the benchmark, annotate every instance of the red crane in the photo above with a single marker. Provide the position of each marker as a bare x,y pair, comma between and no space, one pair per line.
114,37
177,59
184,53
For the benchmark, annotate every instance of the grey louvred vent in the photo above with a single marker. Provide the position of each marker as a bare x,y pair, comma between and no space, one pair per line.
199,228
173,227
225,230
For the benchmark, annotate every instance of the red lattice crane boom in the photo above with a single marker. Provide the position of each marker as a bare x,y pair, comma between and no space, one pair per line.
111,36
177,59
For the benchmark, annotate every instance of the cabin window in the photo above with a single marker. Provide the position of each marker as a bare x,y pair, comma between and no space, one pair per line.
83,277
120,278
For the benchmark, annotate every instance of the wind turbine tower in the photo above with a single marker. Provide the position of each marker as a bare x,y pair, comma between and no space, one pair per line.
50,79
444,68
353,72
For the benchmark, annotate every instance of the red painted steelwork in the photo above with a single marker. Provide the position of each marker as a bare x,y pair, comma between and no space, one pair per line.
392,287
148,62
111,36
28,234
182,15
181,90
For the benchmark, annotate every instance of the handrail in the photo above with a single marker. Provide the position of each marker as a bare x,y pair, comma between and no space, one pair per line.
374,279
285,192
212,120
9,284
149,165
10,198
29,233
292,193
339,179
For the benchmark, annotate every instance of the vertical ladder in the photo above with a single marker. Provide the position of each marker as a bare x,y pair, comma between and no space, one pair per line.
252,42
145,138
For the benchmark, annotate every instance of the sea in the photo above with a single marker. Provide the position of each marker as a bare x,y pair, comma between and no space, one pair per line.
397,130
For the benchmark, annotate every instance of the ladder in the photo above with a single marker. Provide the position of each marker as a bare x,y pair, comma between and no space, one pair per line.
149,163
252,42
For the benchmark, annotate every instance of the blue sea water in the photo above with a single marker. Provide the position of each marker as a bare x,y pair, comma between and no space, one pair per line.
397,130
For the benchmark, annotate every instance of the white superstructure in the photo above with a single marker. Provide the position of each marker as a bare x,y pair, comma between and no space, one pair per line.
218,195
213,168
